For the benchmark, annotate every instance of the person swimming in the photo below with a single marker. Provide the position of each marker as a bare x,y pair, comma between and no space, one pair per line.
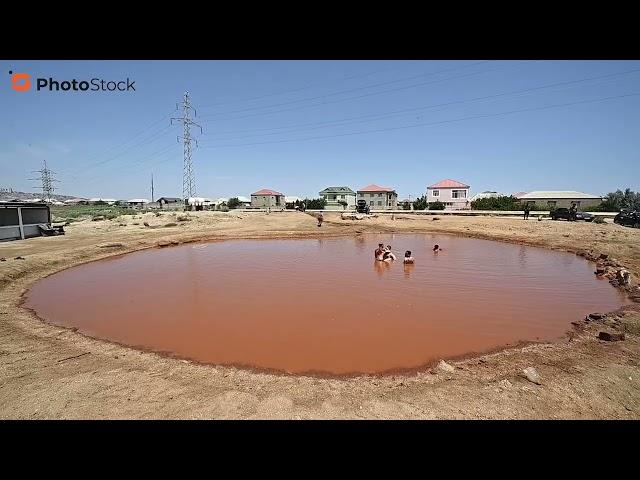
379,253
408,258
436,248
388,254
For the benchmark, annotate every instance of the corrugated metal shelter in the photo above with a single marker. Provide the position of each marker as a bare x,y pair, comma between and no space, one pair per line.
20,220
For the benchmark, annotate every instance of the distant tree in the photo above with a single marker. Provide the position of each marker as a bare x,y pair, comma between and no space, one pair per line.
406,205
343,203
315,203
420,203
437,205
619,200
234,202
502,202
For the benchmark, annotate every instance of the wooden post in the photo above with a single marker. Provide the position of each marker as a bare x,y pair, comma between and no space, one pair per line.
20,223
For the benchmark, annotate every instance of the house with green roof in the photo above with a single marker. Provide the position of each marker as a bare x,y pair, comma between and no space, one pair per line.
336,198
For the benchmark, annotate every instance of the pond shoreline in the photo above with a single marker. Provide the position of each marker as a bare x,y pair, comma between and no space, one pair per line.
28,343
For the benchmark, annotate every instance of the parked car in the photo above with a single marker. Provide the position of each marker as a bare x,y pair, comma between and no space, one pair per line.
361,206
631,219
565,213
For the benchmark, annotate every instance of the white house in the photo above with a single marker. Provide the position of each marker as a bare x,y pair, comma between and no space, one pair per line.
137,202
335,195
108,201
454,194
244,201
486,194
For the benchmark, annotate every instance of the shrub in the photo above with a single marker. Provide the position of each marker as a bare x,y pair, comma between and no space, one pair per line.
437,205
234,202
315,203
502,202
406,206
618,200
420,203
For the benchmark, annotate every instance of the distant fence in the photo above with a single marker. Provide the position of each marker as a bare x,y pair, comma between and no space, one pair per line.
464,213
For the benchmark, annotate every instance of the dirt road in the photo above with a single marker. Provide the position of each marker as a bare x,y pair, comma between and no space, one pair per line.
52,372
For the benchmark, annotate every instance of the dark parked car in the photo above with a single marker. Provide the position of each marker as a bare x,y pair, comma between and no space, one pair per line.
631,219
565,213
362,207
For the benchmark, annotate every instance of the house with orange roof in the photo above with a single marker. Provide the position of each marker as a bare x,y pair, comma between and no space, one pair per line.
454,194
267,198
378,198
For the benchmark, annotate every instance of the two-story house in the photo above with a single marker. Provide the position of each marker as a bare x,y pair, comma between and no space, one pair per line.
339,198
454,194
379,198
266,198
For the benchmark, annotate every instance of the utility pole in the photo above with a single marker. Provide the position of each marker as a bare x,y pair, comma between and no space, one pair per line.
152,186
188,176
46,177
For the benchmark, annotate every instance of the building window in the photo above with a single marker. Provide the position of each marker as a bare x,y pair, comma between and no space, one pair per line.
379,203
436,193
458,194
371,203
342,197
332,197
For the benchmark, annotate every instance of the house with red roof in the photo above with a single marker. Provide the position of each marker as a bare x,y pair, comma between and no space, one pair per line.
378,198
267,198
454,194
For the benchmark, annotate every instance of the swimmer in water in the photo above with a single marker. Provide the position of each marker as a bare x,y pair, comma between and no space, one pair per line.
379,253
388,254
436,248
408,259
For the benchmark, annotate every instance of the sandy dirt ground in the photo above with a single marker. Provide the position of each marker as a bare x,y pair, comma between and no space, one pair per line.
52,372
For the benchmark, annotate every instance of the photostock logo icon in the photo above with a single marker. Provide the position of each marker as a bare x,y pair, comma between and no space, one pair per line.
20,82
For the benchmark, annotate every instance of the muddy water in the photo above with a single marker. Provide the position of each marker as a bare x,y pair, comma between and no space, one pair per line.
325,305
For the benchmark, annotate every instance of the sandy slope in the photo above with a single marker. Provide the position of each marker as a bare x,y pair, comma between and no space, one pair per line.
51,372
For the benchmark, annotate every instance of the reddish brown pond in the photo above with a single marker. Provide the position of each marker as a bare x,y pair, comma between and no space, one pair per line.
326,305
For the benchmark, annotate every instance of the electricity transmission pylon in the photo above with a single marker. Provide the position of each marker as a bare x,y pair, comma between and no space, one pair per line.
47,180
188,175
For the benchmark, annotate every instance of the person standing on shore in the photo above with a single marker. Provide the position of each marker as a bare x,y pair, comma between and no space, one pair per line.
527,209
572,212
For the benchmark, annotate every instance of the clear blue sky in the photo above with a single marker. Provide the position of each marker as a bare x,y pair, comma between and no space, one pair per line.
261,120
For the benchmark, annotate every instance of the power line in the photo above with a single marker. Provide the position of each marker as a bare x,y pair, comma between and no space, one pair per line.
188,175
299,89
365,95
110,149
146,141
140,162
340,92
427,124
380,116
